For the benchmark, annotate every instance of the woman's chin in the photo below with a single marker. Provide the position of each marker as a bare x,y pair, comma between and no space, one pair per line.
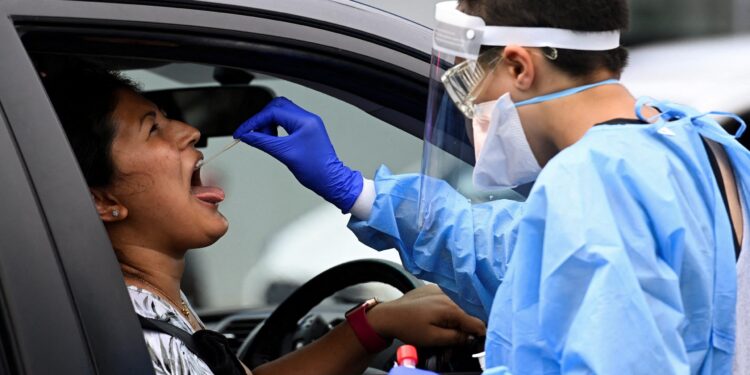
214,233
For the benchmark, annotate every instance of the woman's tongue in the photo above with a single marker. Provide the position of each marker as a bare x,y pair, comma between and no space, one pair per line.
209,194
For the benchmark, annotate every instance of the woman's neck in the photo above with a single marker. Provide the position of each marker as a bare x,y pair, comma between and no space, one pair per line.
153,268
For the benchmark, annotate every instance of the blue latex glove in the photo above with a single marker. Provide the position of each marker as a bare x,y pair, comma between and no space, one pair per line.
306,151
409,371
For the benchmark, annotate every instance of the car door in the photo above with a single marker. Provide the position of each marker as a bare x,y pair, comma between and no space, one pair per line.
379,75
64,307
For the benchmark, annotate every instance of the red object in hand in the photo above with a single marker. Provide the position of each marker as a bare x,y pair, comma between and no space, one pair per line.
406,356
357,319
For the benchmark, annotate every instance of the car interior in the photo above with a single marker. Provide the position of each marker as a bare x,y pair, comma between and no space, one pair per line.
214,84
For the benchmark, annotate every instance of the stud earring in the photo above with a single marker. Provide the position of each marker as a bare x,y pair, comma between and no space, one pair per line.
115,213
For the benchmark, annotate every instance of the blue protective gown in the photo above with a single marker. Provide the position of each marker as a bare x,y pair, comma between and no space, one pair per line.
621,261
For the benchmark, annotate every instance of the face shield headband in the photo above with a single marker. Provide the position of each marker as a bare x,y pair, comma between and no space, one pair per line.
460,35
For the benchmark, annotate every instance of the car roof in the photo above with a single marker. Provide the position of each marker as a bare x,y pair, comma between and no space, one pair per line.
707,73
346,13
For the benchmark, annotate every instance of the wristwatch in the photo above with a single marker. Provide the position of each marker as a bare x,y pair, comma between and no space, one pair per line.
357,319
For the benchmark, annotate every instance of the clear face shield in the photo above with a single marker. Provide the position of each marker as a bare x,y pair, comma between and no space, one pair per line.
458,75
465,54
449,150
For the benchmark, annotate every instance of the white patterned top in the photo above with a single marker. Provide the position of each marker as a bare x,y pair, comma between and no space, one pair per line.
168,354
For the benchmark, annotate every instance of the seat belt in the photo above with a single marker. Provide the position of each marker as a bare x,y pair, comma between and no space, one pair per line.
210,346
720,182
166,328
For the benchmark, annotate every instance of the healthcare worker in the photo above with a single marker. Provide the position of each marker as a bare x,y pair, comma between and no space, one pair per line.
622,258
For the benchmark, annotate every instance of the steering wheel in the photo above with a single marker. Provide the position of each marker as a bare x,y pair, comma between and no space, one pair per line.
267,343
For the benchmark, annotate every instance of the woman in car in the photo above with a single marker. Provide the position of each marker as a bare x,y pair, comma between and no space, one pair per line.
140,167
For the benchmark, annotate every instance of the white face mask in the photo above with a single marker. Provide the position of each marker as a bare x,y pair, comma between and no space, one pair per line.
480,124
503,155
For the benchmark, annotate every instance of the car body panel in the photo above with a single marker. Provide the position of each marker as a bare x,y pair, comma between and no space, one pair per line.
37,313
350,14
91,315
185,18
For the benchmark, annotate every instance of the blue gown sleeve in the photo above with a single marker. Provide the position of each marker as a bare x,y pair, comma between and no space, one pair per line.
463,248
595,283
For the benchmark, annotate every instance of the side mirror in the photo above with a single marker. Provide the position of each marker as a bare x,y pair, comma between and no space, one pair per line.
215,111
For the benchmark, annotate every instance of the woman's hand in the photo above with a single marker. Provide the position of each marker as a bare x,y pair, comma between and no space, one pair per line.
422,317
425,317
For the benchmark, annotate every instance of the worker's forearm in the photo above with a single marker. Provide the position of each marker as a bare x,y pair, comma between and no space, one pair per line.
337,353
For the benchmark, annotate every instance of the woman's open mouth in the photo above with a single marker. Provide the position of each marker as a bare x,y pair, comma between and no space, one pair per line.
209,194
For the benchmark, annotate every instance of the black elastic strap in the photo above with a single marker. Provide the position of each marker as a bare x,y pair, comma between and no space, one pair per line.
166,328
623,121
722,189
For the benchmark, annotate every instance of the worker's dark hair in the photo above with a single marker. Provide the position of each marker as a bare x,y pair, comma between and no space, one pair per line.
84,98
579,15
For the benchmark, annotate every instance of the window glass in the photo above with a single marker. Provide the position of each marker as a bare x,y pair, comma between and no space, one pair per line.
280,234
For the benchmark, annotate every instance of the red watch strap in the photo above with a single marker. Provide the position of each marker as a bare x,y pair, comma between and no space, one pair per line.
370,340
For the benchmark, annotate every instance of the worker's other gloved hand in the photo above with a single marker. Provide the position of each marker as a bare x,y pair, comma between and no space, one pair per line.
306,151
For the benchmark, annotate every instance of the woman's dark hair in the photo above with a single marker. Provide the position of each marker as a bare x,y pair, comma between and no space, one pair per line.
84,98
578,15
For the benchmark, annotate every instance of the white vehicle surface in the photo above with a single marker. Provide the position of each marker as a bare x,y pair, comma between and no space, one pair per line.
702,73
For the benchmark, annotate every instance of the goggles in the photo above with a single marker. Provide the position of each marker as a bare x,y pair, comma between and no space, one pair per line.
459,35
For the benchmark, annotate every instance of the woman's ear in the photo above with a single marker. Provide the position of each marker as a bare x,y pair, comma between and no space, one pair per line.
109,208
520,65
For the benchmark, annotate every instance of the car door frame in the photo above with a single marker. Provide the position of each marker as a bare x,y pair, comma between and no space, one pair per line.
410,61
65,308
